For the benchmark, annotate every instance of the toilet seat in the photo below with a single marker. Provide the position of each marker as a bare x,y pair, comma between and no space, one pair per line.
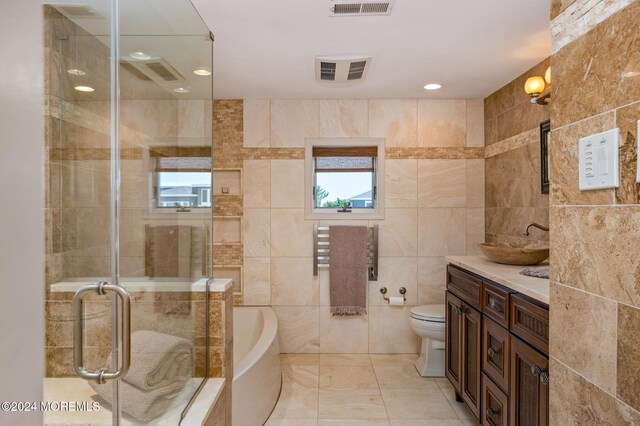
430,313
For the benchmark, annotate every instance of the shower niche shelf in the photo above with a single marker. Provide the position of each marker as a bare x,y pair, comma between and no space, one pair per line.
227,181
227,230
233,272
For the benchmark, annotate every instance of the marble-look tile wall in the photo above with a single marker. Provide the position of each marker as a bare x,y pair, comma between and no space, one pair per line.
595,284
434,196
512,182
221,347
78,190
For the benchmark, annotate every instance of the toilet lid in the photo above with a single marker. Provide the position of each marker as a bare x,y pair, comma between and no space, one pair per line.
433,313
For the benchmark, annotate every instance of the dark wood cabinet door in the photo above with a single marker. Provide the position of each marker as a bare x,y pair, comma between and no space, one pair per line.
471,358
453,341
495,353
529,385
495,404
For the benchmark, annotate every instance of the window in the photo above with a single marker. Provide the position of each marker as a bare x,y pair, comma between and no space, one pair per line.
343,178
182,177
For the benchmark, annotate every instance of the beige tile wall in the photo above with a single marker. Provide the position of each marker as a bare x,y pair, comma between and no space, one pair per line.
595,291
434,207
78,187
513,189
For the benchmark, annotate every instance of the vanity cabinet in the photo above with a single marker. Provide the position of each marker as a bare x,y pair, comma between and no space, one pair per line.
463,360
496,353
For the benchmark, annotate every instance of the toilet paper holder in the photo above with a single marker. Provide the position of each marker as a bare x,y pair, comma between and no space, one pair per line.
402,291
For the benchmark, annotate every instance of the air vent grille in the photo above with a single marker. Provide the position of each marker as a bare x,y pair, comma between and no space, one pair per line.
162,71
374,8
156,69
342,69
349,8
341,8
327,71
356,69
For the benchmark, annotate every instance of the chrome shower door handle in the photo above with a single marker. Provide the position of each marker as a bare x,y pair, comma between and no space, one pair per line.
101,376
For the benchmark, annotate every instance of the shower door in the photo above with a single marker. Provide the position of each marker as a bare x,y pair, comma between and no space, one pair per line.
129,143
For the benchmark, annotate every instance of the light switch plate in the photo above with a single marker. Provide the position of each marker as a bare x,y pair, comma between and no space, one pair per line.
599,161
638,152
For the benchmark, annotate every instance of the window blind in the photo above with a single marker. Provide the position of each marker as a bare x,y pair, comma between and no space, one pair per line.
348,159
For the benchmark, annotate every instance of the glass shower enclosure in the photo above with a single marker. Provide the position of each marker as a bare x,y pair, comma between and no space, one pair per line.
128,145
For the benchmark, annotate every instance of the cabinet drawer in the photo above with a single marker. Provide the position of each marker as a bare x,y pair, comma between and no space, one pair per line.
495,353
464,285
495,303
495,404
530,322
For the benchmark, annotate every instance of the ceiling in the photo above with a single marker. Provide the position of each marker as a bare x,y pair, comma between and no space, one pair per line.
168,29
266,49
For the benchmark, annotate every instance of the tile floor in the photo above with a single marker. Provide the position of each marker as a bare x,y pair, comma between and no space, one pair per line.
361,389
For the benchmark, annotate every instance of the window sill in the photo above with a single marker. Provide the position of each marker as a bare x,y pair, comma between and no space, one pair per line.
334,215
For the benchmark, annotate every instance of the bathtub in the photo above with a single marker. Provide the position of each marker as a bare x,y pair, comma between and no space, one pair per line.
257,377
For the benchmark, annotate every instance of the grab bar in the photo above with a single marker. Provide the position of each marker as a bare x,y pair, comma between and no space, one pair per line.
101,376
321,250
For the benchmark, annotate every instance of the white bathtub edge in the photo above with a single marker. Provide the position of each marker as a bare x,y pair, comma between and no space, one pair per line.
203,404
269,333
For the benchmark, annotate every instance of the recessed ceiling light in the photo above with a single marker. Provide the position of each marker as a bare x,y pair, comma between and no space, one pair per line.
75,71
432,86
140,55
84,89
181,90
203,71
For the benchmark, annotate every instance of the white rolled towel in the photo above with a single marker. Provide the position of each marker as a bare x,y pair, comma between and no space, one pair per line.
159,360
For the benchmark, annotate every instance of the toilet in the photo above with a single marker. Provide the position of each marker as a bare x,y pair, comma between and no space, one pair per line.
428,322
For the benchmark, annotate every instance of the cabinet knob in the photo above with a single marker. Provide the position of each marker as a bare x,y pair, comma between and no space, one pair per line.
492,303
491,352
457,310
544,378
535,370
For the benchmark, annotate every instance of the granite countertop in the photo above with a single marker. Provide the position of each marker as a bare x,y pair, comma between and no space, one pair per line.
507,275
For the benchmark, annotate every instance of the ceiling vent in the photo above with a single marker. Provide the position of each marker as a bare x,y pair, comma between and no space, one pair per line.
157,69
341,69
78,11
348,8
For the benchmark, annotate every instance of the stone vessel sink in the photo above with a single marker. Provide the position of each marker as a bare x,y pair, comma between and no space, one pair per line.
515,254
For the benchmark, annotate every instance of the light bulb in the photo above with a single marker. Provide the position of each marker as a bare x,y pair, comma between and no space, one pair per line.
547,76
202,71
432,86
84,89
140,55
534,86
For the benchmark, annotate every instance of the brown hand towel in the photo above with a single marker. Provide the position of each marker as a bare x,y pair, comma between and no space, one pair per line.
348,269
165,247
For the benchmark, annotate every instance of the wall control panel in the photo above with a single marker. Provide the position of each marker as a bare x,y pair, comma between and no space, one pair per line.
599,164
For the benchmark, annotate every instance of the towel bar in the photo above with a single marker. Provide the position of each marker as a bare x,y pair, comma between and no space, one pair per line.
321,250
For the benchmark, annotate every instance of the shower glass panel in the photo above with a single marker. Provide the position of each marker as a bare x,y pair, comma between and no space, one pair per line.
129,143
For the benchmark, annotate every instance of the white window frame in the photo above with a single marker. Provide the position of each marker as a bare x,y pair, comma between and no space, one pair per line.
311,212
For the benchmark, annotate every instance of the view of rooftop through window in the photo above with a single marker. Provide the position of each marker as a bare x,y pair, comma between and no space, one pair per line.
184,189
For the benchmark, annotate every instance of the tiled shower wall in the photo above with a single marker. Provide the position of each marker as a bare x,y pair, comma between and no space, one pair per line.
434,195
78,187
513,189
595,235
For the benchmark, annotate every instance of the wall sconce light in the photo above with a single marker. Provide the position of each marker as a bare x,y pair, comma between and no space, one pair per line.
535,88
